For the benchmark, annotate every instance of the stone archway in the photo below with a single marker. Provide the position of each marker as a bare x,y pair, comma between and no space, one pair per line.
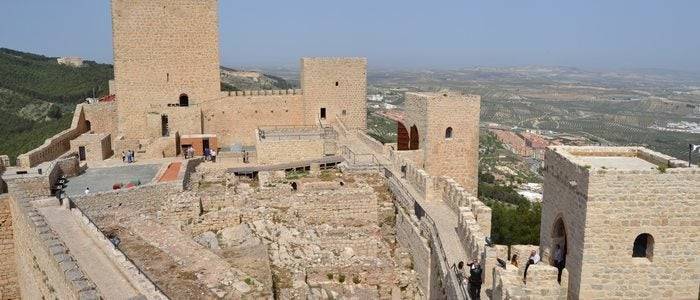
559,236
415,138
402,138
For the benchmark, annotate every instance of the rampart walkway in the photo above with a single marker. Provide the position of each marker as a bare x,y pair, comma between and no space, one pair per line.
110,282
440,213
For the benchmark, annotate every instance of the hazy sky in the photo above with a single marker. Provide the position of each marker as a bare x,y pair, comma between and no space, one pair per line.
394,33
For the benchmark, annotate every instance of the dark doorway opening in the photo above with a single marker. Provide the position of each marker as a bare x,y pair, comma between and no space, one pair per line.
164,126
323,113
643,246
402,139
81,153
205,144
414,144
184,100
88,126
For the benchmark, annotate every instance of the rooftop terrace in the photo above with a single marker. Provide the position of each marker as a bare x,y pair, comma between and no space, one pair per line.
620,158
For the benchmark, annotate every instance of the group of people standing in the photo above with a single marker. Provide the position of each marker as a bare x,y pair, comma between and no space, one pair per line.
128,156
209,154
471,278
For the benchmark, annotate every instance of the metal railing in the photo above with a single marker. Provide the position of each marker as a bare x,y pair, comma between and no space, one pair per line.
359,159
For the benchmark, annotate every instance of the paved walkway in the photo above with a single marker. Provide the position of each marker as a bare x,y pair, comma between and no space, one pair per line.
110,282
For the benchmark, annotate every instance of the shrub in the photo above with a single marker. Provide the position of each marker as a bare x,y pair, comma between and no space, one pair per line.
355,279
341,278
329,276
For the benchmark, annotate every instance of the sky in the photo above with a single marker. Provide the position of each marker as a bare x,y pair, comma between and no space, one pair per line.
592,34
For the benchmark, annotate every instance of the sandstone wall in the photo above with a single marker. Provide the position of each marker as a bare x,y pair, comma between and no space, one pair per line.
337,84
145,199
624,204
282,151
9,288
354,207
98,147
163,48
45,268
235,118
566,202
408,236
57,145
102,117
456,156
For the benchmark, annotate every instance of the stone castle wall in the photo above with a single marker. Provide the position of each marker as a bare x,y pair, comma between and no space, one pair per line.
102,117
162,49
45,268
281,151
337,84
624,204
562,200
9,289
234,119
57,145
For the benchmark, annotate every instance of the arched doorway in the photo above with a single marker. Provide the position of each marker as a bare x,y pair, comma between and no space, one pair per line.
402,138
414,143
184,100
559,246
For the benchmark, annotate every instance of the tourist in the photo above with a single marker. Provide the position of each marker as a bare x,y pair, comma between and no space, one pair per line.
462,276
207,154
533,259
245,157
123,157
190,152
514,260
559,261
87,190
475,274
212,153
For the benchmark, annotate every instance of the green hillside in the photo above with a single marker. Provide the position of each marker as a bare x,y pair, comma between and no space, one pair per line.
38,96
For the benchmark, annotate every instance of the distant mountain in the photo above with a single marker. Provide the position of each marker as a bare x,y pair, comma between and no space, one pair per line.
237,80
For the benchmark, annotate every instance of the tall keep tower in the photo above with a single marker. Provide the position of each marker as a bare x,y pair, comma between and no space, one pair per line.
335,87
445,126
166,58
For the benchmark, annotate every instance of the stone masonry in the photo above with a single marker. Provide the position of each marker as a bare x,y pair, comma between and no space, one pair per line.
598,200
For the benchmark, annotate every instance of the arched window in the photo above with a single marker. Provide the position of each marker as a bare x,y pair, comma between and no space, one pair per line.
448,133
184,100
643,246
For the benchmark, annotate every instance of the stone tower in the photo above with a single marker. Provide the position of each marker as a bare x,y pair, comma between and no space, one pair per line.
166,60
627,219
335,87
445,126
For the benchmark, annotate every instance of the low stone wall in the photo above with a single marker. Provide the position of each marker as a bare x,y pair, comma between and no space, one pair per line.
282,151
417,177
409,237
145,199
45,268
349,207
541,283
9,289
457,198
4,164
373,144
57,145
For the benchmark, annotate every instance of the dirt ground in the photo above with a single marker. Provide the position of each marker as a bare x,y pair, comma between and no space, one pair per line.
159,267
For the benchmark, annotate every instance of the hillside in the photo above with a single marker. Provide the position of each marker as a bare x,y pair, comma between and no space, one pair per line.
38,95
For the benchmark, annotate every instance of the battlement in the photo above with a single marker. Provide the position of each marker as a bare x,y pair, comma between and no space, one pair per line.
618,158
443,96
261,93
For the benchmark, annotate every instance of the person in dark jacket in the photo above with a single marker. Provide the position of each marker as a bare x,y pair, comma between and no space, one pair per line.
475,275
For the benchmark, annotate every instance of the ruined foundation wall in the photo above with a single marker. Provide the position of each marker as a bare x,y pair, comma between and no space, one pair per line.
235,118
9,289
146,199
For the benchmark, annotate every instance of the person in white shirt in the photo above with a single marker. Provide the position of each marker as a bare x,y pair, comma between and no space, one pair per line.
559,261
534,258
213,155
87,191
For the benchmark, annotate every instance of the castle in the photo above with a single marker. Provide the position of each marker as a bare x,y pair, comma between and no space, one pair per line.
627,217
